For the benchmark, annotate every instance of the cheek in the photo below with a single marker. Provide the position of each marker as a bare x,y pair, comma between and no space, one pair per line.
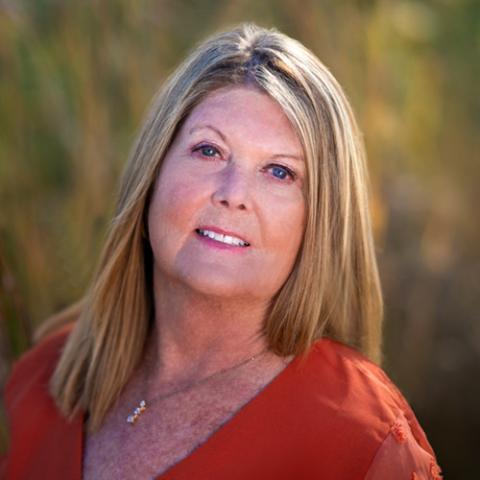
170,220
286,226
173,204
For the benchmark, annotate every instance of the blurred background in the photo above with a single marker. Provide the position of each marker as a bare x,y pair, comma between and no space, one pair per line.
76,78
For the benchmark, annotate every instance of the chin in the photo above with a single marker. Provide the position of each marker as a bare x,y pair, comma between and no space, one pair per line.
216,285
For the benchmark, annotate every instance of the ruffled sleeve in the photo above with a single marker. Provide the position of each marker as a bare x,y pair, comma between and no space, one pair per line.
401,457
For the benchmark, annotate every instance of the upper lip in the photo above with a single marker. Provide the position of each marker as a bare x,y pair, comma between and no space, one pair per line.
224,232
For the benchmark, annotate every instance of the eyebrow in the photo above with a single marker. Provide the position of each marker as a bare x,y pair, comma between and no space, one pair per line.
222,136
216,130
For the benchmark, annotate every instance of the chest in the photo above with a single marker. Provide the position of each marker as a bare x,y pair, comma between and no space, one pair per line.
167,432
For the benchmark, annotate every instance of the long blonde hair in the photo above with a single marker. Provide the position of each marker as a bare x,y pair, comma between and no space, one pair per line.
333,289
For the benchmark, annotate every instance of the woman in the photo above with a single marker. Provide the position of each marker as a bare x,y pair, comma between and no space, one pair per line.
233,325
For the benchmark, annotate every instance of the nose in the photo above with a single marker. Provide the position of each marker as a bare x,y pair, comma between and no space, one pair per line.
233,189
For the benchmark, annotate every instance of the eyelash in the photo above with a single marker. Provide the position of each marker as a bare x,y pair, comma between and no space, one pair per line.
204,146
290,173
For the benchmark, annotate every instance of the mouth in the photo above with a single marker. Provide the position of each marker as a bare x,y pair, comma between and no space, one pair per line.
222,237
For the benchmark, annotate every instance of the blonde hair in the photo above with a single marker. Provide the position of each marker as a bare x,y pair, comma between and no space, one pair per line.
333,289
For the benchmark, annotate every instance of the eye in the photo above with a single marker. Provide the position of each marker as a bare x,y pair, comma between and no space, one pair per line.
281,173
206,150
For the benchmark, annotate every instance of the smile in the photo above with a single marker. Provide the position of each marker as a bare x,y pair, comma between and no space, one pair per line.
219,237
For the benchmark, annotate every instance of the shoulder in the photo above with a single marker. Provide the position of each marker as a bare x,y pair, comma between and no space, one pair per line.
353,379
36,426
27,386
31,373
349,379
358,398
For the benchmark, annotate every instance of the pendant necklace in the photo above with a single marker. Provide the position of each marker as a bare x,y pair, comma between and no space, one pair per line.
144,404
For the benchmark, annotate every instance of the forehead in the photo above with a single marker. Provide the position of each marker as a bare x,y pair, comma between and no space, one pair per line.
245,112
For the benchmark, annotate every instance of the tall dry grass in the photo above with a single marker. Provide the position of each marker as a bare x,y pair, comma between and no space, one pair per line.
76,78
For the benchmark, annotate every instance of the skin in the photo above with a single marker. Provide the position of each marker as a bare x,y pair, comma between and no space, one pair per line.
243,173
210,299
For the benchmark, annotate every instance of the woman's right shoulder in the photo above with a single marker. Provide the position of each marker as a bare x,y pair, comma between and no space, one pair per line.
31,373
36,426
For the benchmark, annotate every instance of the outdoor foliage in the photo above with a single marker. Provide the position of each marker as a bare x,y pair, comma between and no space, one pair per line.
76,78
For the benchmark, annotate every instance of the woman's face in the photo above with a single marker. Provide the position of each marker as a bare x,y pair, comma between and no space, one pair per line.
227,213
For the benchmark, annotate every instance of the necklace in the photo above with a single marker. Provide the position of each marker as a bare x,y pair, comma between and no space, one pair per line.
144,404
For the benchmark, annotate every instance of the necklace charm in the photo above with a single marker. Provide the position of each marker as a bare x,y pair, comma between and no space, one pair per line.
142,406
131,419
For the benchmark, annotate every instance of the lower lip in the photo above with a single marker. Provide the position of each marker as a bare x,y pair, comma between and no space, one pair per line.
219,245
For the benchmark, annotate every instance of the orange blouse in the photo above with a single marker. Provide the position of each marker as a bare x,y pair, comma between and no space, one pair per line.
335,415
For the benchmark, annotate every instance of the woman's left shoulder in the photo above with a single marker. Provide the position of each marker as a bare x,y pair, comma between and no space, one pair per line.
342,366
361,394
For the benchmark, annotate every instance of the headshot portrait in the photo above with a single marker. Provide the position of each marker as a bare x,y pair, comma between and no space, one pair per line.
233,324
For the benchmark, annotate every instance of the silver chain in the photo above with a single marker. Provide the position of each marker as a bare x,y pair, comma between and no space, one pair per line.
143,404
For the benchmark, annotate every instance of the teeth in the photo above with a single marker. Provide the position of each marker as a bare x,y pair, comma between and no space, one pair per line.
223,238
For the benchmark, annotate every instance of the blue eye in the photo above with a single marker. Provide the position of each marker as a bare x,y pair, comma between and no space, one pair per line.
206,150
281,173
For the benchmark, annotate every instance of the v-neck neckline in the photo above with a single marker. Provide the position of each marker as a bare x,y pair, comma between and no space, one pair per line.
222,430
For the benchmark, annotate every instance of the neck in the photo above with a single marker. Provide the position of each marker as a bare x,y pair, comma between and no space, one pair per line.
195,335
